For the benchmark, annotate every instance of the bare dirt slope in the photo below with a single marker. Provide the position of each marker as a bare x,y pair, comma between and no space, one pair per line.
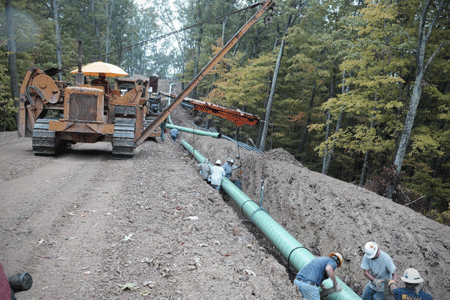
84,224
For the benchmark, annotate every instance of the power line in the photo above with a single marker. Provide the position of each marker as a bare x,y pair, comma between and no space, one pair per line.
109,54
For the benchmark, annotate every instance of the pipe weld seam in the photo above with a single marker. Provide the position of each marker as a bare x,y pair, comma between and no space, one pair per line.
289,256
255,211
242,207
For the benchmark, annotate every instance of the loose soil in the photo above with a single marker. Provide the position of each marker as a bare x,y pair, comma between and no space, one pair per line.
88,226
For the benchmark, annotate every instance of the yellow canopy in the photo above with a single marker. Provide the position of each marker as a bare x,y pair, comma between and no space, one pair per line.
101,68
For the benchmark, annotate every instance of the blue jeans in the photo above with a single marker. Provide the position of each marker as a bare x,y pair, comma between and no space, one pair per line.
309,292
369,294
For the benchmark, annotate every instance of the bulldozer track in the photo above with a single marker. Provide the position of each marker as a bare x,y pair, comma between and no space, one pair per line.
148,121
123,139
44,140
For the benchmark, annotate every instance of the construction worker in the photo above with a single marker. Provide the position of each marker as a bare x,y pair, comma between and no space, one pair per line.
311,276
101,81
174,134
228,167
163,130
217,173
377,266
204,169
411,291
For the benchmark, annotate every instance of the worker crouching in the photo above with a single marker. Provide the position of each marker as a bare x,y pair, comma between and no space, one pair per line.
204,169
311,276
377,266
217,174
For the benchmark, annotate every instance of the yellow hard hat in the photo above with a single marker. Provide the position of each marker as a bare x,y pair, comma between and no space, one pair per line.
339,258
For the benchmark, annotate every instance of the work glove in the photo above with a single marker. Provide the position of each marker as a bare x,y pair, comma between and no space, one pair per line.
325,292
378,283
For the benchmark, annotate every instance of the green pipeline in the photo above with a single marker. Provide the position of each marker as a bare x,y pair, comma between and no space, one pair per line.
298,255
190,130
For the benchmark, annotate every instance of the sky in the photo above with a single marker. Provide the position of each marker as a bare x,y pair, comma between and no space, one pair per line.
140,2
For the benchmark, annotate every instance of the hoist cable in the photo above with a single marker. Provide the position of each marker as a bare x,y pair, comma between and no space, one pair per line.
177,31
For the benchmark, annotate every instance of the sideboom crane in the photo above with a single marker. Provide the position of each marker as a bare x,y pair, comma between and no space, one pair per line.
266,5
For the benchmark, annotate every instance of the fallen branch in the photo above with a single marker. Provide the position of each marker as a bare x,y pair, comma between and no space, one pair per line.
414,200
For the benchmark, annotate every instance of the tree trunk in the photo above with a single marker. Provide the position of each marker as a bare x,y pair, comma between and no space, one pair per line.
363,178
417,89
224,25
262,121
109,11
198,46
132,58
12,66
327,159
326,163
409,122
4,120
272,93
274,82
197,58
94,19
58,37
308,119
255,43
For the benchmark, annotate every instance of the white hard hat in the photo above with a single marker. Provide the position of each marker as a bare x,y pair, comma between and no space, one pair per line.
218,162
231,161
412,276
206,160
370,249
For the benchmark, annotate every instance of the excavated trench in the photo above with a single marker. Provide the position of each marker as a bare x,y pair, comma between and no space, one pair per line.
327,215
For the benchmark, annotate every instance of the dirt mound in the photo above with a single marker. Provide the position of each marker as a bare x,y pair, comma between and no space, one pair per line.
325,215
281,155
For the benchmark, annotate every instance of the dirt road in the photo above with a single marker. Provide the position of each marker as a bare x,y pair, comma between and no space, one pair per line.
55,214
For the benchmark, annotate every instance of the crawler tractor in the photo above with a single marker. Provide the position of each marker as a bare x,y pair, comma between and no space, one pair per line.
56,115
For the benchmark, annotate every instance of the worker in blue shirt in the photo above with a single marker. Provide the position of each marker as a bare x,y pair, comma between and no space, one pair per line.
311,276
163,130
174,134
411,291
378,266
228,167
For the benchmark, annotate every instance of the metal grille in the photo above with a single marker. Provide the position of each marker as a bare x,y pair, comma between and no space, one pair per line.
83,107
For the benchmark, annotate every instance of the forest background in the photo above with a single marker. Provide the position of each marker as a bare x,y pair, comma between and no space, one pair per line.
359,90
